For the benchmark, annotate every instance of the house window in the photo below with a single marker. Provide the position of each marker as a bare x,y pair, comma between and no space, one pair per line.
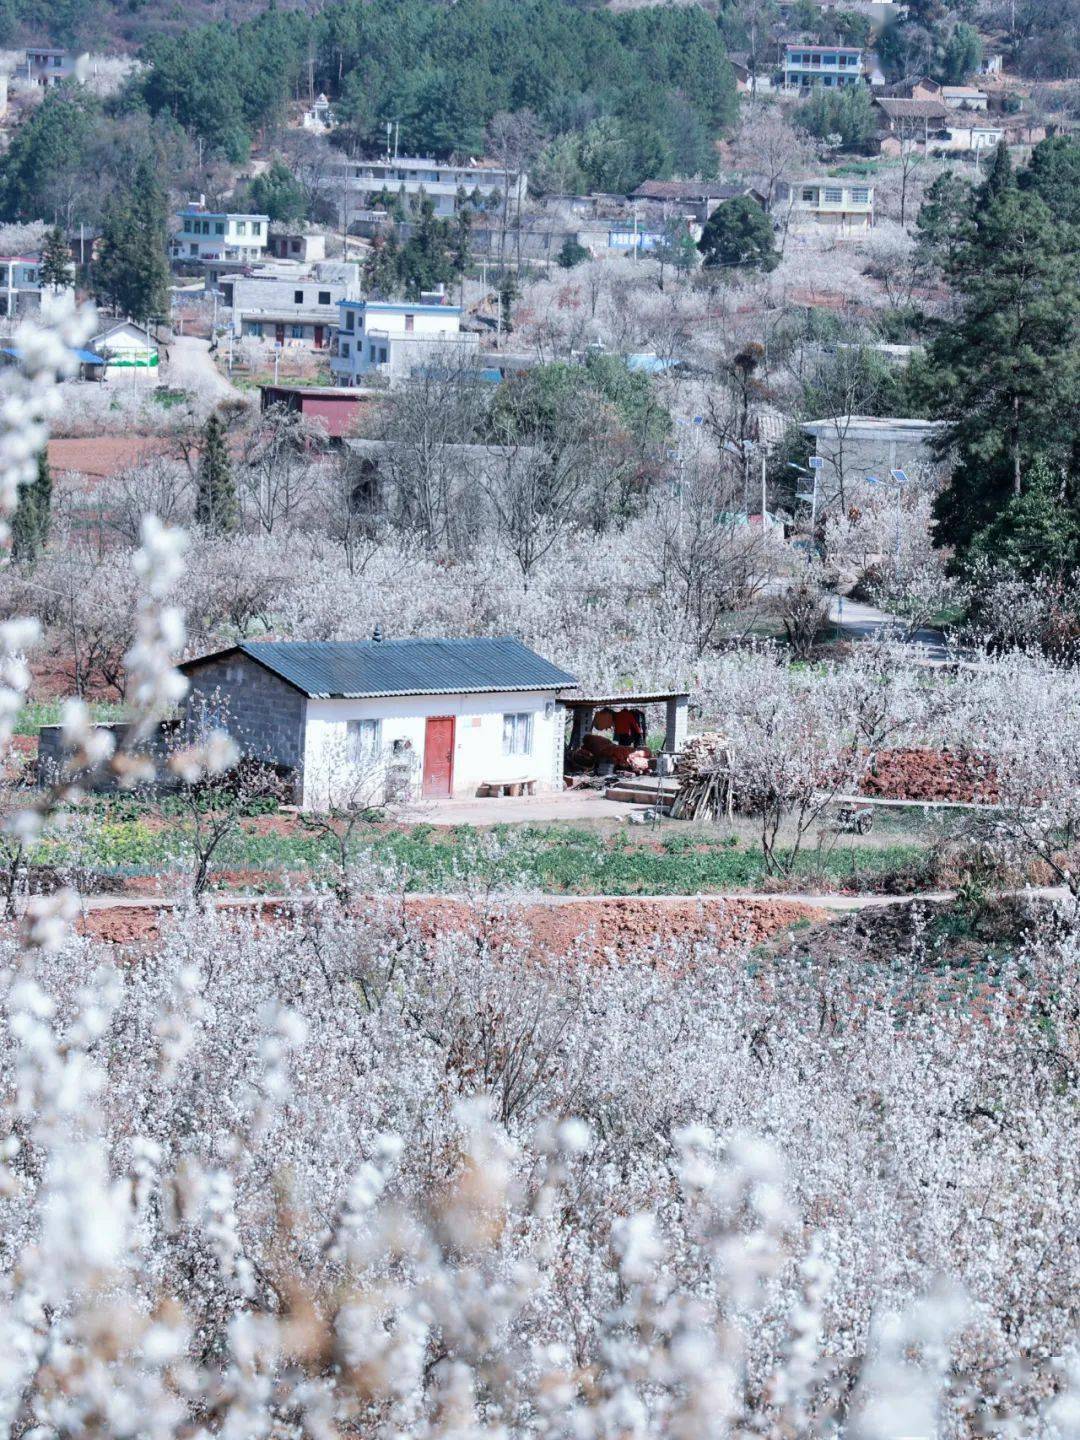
297,332
241,227
383,354
219,227
256,329
410,322
809,197
298,297
324,297
833,195
350,319
860,197
256,227
363,742
344,349
517,734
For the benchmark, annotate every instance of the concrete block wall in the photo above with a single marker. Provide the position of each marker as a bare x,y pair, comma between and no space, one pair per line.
265,716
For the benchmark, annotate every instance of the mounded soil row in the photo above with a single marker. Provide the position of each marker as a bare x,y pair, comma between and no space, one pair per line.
590,929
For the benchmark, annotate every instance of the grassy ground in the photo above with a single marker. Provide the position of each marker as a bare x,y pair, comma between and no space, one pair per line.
119,839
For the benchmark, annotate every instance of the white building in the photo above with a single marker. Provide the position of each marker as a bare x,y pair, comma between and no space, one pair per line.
208,235
20,284
366,185
129,352
845,204
47,66
406,718
829,66
395,336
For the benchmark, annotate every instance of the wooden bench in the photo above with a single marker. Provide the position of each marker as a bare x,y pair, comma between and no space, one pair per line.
506,787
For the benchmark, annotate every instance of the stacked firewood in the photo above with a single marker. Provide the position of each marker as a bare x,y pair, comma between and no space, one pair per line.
703,770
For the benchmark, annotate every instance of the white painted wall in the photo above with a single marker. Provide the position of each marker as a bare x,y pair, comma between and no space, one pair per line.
478,738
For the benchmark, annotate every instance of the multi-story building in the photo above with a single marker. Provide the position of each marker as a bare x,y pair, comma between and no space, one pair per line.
291,305
831,66
393,337
367,185
47,66
844,204
208,235
20,285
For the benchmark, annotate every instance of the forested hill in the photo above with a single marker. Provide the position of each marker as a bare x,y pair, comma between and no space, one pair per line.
658,77
644,93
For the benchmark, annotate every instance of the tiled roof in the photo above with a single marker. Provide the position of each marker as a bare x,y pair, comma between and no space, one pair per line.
353,669
899,109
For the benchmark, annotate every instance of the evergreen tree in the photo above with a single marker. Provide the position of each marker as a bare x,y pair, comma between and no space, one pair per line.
571,253
33,514
944,222
1005,376
56,260
215,500
738,232
132,272
999,179
278,194
1054,175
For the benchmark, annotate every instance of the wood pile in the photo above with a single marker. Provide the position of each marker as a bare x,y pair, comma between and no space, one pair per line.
703,770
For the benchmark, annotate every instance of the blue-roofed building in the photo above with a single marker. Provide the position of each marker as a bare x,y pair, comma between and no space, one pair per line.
404,718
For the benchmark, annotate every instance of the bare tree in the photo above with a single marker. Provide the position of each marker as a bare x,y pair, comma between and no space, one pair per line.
768,149
276,473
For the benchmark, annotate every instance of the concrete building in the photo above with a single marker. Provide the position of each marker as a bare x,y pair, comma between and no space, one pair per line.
291,305
20,285
302,245
829,66
362,186
404,718
393,337
964,97
855,447
208,235
844,205
47,66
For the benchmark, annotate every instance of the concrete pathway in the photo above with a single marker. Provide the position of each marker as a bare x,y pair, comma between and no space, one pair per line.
862,622
191,367
840,904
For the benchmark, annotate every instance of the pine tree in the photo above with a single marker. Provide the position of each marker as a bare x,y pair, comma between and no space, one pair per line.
33,514
133,271
999,179
56,260
1006,374
215,501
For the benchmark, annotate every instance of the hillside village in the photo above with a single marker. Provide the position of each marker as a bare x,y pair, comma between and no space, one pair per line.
539,719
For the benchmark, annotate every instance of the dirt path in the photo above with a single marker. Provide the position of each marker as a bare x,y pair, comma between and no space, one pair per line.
191,367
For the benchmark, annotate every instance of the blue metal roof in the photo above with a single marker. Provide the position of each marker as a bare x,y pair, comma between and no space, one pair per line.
360,669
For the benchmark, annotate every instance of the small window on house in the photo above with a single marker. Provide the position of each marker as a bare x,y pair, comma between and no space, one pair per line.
256,329
297,332
344,349
294,246
833,195
809,196
517,734
256,227
324,297
298,297
383,354
410,322
241,227
350,319
364,741
219,227
861,197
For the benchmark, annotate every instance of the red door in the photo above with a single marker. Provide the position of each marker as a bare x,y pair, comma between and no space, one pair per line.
279,334
439,756
318,337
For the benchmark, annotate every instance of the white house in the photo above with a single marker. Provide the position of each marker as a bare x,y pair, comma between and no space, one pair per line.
129,351
829,66
47,66
395,336
207,235
964,97
359,186
20,284
845,204
408,718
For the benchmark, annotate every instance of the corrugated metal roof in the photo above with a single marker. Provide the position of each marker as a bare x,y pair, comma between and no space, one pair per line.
360,669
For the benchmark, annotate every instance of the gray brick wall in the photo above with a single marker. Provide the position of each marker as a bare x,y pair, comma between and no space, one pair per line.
265,716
